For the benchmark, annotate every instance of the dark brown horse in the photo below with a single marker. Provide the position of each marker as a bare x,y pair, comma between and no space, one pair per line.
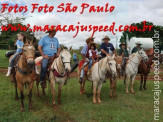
144,70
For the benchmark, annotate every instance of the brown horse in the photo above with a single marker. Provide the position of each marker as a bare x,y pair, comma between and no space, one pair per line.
144,69
118,61
24,72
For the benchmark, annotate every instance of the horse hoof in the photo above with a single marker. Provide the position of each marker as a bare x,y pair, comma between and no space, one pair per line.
55,106
60,104
16,99
99,101
116,96
94,102
22,109
111,97
140,89
145,88
127,92
132,92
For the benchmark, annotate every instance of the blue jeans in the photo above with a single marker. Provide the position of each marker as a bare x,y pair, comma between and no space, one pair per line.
13,59
90,63
43,69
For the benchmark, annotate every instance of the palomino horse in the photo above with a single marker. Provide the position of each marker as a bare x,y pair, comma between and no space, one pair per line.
132,68
98,75
144,69
24,73
58,74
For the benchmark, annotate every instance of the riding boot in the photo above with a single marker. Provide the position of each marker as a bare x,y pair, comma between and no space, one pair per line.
9,71
88,73
36,69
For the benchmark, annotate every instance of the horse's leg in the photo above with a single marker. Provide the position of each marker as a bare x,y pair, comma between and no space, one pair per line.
37,85
145,78
127,83
81,88
111,88
43,87
83,91
114,88
94,91
125,79
132,84
141,82
20,86
30,86
98,93
16,91
59,94
52,84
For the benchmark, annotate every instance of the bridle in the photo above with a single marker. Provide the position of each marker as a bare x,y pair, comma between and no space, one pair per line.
110,70
62,74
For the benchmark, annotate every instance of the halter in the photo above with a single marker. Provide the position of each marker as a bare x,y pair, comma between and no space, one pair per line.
111,71
63,65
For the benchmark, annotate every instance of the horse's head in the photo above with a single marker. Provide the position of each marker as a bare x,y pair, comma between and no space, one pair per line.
112,66
118,61
143,55
29,53
66,59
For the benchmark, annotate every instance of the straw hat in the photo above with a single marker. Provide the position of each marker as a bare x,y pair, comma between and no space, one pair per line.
88,39
105,37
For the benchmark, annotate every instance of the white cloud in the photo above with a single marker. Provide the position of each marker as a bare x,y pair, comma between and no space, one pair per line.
126,12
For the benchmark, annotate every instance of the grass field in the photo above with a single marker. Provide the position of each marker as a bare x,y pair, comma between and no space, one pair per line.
76,107
3,59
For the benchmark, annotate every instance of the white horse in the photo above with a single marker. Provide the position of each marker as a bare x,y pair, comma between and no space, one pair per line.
132,68
62,66
98,75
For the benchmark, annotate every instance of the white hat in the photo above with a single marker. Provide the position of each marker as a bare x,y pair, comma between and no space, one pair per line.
138,42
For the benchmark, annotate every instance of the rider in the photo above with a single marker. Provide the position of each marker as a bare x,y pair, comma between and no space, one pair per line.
19,43
138,47
106,47
93,56
49,48
85,55
124,53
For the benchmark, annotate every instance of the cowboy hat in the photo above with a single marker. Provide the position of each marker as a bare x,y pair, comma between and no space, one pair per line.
106,37
51,29
90,38
122,43
138,42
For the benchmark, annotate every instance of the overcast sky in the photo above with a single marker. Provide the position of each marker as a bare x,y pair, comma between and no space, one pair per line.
126,12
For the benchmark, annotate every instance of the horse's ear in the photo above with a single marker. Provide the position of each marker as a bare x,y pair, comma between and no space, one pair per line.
33,41
70,49
61,47
113,56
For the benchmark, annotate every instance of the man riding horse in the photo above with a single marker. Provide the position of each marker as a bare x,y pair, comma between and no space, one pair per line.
49,48
124,53
106,47
138,47
85,55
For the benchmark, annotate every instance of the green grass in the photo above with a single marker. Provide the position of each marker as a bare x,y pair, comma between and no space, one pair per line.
3,60
126,108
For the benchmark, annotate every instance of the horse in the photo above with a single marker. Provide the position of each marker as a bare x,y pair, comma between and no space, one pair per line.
132,68
144,69
62,67
98,75
118,61
58,73
24,72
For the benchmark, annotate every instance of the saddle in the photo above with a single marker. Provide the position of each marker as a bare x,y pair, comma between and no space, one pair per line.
81,66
